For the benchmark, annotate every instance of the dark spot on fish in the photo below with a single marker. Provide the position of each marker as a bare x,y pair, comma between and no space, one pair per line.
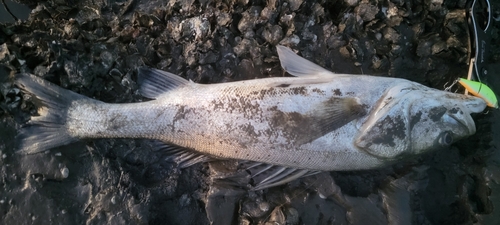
283,85
242,104
386,131
116,122
436,113
415,119
455,111
264,93
299,90
251,135
293,125
319,91
337,92
217,104
182,112
159,114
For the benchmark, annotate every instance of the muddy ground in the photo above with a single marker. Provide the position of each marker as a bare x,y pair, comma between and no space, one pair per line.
94,48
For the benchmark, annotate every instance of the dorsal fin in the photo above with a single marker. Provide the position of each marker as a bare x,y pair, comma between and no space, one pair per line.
154,82
298,66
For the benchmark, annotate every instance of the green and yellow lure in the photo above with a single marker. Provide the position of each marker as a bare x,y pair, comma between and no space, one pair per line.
480,90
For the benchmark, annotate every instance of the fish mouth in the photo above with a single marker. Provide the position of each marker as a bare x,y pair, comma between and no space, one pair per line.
466,122
476,105
471,105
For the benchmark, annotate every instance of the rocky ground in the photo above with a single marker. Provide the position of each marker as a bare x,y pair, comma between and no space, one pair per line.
94,48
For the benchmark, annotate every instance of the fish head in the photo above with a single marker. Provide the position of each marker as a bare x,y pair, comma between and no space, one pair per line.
411,119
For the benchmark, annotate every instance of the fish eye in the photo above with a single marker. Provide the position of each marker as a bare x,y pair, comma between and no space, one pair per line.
446,139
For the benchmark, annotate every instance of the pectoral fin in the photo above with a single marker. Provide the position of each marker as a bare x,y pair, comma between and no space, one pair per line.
298,66
266,175
337,112
324,118
254,176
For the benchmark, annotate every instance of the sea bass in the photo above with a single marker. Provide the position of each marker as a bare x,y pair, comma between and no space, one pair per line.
314,121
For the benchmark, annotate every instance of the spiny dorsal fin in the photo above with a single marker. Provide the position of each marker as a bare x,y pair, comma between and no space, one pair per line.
154,82
298,66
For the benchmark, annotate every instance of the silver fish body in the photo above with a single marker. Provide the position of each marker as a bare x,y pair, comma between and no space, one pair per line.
315,121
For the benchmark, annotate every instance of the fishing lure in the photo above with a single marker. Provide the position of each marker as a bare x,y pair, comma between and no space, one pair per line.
480,90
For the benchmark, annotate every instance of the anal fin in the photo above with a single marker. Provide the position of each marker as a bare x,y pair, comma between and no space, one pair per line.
183,157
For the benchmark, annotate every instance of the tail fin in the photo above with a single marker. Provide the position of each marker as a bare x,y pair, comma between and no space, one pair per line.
49,129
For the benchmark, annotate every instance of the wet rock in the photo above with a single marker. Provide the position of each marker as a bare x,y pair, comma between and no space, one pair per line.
276,217
223,19
208,58
365,210
391,35
72,30
367,11
434,5
273,34
268,13
424,48
295,4
4,52
381,64
393,14
290,41
438,47
244,47
249,18
255,208
336,41
345,52
292,216
351,2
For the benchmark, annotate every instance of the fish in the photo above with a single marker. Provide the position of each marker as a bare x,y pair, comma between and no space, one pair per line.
314,120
